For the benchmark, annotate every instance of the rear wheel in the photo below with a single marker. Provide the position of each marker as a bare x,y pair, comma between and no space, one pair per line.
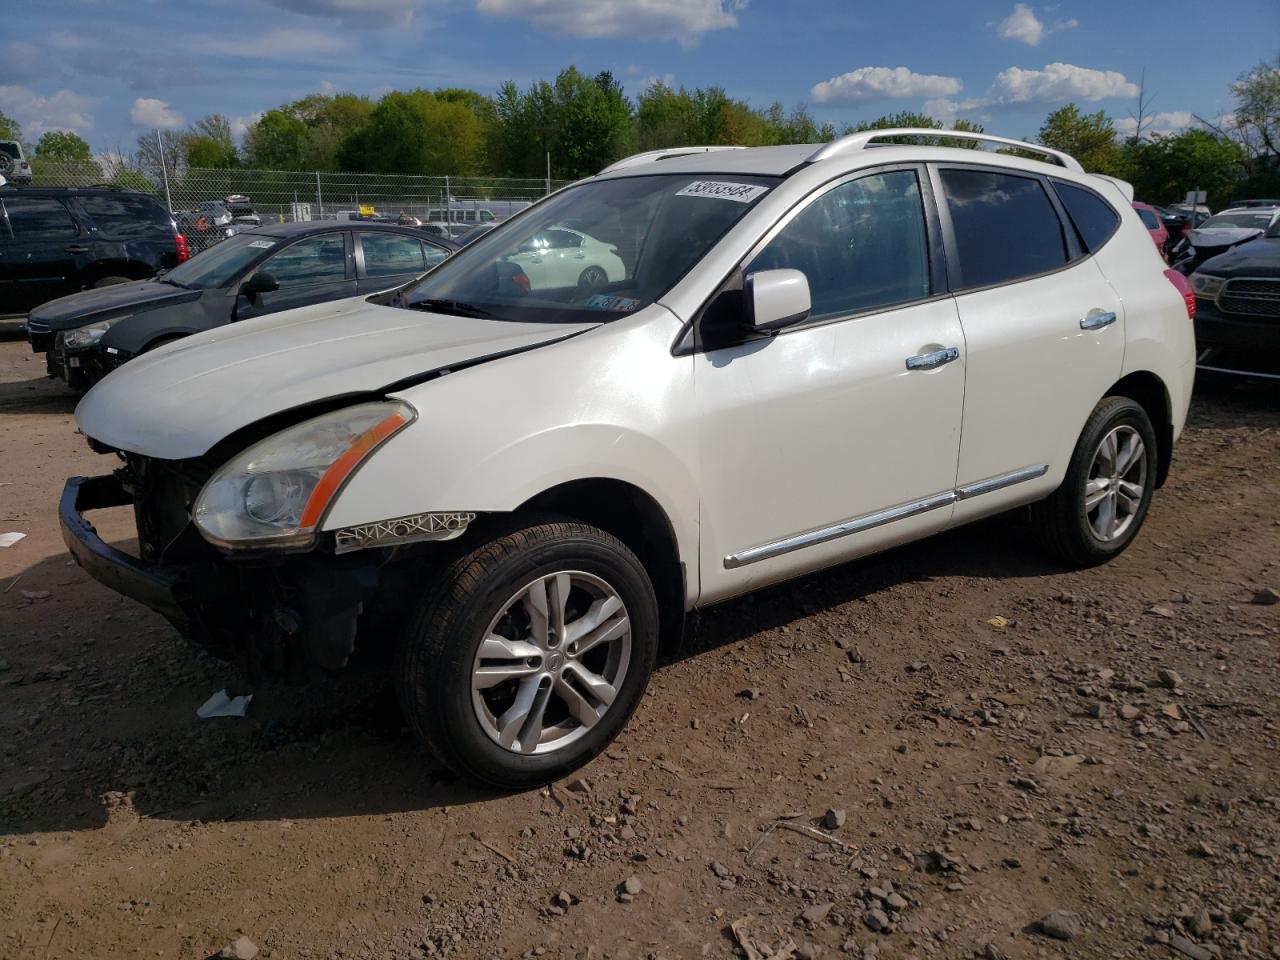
592,279
1103,500
531,654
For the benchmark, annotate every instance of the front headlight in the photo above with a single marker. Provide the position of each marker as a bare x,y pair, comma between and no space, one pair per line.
1206,285
88,335
275,493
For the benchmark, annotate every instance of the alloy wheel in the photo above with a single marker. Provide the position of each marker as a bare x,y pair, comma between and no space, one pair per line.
551,662
1117,481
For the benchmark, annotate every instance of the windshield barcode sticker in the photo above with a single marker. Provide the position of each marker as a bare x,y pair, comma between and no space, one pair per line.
720,190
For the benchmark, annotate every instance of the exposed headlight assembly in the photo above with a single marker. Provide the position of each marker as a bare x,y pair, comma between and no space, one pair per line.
1206,285
88,335
276,492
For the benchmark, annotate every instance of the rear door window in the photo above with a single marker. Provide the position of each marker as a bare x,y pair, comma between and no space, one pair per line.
39,218
1094,218
1005,227
386,254
320,259
127,216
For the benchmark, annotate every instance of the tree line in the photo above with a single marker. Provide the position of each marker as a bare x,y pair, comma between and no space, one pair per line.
585,122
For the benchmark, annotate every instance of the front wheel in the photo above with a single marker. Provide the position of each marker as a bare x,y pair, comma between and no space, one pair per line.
531,654
1104,498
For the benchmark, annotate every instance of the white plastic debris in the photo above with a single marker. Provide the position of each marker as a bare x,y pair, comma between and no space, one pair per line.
9,539
220,705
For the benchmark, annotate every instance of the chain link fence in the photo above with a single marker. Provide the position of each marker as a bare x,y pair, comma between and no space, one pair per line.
279,196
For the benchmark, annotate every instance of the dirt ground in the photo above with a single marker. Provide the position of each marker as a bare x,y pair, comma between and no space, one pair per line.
1107,749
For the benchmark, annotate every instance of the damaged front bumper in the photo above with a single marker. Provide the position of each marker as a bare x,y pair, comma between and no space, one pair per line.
275,614
157,586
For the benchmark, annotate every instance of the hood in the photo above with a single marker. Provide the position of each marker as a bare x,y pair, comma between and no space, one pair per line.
1257,258
1223,236
178,401
65,313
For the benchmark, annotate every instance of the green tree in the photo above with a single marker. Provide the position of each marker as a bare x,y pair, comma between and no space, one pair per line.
63,145
329,119
277,141
1164,168
415,132
1089,137
208,143
10,129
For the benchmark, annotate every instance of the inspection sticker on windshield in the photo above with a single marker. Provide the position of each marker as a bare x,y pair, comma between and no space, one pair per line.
603,301
264,244
721,190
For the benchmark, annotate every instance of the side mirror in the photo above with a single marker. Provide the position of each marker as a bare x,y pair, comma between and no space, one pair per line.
259,283
775,298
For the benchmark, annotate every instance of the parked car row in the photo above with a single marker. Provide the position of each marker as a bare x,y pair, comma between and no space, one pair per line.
264,270
667,385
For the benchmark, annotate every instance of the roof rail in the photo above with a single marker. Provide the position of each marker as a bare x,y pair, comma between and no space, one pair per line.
857,141
650,156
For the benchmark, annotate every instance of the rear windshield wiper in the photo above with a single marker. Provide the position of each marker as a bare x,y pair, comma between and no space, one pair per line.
455,307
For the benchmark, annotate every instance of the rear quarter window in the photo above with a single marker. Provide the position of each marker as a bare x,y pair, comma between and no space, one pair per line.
1095,220
127,216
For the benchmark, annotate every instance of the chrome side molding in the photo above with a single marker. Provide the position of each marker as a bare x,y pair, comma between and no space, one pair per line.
870,521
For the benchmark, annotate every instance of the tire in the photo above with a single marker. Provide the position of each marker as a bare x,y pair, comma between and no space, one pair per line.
1065,524
110,281
464,709
592,279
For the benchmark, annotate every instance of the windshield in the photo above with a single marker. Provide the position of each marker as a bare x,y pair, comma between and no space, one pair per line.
1148,218
592,252
219,265
1258,220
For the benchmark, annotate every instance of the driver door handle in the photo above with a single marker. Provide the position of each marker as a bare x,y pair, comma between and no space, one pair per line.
929,361
1096,321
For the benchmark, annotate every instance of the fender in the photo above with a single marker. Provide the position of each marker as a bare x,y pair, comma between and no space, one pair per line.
491,437
134,333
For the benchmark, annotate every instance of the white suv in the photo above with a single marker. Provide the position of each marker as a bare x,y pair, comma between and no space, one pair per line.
516,490
14,165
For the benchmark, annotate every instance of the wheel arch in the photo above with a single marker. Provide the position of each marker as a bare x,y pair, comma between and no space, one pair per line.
638,520
133,269
1152,394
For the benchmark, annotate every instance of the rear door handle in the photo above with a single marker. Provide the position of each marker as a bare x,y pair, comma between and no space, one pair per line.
928,361
1096,321
76,248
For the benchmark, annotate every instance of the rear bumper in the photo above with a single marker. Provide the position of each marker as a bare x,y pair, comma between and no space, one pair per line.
153,585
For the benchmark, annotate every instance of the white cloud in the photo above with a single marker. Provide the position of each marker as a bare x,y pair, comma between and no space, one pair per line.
64,110
241,125
684,21
1057,83
328,86
1025,27
148,112
1168,121
882,83
356,14
280,43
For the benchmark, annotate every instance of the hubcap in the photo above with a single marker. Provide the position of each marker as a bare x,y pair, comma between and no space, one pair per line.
1117,481
551,662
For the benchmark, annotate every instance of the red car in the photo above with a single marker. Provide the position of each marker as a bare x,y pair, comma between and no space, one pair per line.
1151,220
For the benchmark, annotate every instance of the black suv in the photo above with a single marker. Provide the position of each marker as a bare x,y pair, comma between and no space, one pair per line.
1238,309
59,240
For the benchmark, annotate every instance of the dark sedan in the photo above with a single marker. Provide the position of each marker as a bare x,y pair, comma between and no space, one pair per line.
271,268
1238,309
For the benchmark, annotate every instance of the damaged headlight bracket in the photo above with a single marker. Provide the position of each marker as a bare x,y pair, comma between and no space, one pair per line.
413,529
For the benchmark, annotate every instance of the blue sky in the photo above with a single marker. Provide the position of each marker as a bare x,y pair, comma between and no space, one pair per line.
111,69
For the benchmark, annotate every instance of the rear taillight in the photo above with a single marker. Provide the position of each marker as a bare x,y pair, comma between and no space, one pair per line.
184,252
1184,288
25,165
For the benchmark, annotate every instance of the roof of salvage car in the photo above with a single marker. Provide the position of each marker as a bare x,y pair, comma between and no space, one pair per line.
778,161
